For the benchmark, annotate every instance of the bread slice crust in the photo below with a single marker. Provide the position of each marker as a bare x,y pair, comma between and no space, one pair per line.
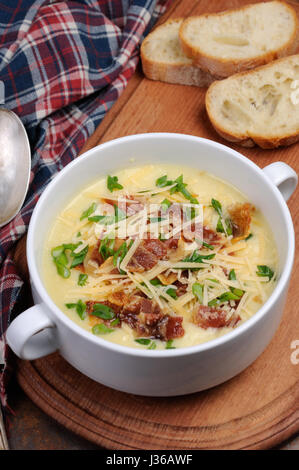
182,72
224,67
249,138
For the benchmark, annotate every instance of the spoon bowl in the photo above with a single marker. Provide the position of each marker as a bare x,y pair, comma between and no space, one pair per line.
15,164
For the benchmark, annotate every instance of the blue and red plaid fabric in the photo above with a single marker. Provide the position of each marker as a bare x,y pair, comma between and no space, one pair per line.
63,64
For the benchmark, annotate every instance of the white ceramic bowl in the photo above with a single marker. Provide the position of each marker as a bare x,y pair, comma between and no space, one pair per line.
43,328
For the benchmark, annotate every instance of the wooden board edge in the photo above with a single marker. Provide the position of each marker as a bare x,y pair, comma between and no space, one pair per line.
281,429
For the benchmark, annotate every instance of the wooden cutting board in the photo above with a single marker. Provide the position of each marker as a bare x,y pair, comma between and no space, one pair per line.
257,409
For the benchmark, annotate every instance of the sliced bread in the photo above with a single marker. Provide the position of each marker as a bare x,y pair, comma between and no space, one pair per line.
260,106
241,39
163,59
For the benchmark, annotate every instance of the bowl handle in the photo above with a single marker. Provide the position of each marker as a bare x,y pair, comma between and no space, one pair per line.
283,176
32,334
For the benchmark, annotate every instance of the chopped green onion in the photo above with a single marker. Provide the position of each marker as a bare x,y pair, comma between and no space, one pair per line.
109,219
249,236
63,271
165,204
156,219
232,275
103,311
120,254
88,211
119,214
71,246
80,308
106,247
219,226
102,219
181,187
101,329
156,282
217,206
112,183
163,181
143,341
197,290
265,271
237,292
213,302
152,345
115,322
229,296
197,258
206,245
82,279
169,344
226,296
60,260
229,227
169,291
57,251
172,293
78,258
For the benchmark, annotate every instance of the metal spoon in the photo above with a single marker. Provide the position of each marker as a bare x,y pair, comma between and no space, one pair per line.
15,164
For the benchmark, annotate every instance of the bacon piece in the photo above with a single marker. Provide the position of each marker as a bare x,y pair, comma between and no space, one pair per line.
118,298
132,307
170,328
80,267
141,314
147,255
241,219
181,288
212,317
142,260
95,254
210,236
171,244
156,247
149,320
233,321
207,234
193,232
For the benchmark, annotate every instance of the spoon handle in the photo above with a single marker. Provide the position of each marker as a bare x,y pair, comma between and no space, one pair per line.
3,438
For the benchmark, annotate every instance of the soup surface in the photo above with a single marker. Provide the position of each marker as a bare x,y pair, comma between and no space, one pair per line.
155,257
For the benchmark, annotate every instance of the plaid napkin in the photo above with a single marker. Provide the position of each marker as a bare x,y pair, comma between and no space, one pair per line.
63,65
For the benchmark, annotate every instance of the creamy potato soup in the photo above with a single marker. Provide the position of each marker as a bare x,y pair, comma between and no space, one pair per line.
159,258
